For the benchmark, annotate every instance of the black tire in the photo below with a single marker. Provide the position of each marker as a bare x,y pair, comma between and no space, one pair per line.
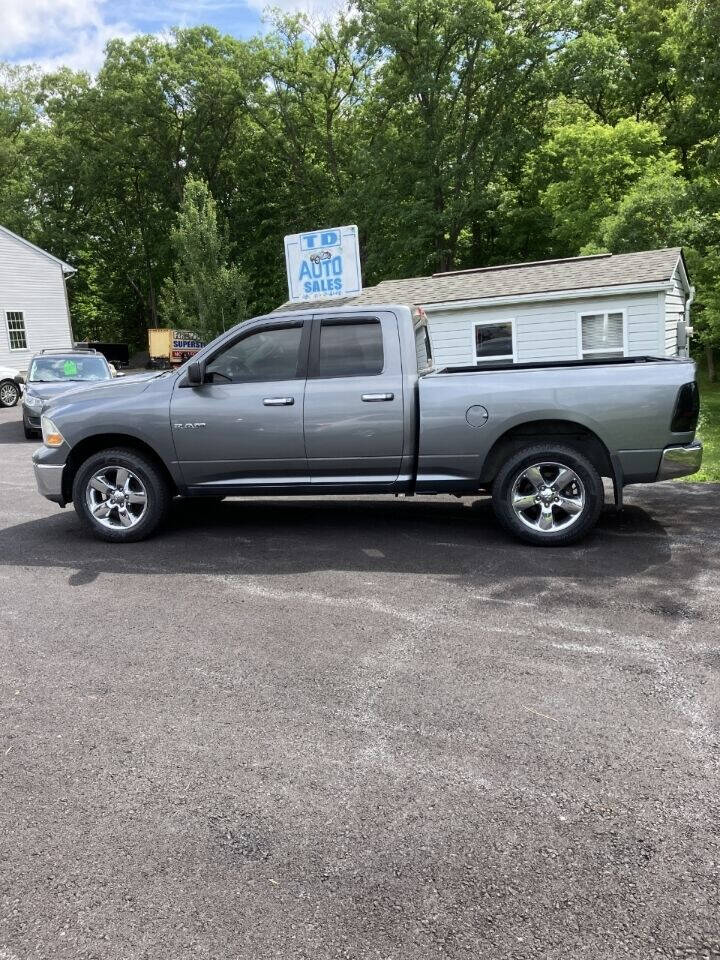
157,494
9,393
585,498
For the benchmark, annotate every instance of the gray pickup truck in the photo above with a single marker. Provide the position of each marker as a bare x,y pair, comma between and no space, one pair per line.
347,401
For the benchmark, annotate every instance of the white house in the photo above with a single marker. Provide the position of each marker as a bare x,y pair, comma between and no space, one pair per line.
631,304
33,301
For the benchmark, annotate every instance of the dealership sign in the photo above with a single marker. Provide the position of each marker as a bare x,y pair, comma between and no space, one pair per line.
323,264
184,345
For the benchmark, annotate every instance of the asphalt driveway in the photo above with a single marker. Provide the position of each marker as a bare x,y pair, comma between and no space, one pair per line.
358,728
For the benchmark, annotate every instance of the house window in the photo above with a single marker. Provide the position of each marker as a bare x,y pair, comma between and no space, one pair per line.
494,341
602,334
16,331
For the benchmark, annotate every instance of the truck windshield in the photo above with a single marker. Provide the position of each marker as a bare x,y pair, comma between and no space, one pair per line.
56,369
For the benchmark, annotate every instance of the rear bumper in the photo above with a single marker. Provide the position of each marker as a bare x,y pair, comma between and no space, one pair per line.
680,461
49,481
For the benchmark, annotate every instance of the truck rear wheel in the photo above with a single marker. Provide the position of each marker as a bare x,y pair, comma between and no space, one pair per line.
120,495
548,495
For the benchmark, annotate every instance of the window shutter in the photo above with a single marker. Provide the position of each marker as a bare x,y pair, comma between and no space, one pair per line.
602,331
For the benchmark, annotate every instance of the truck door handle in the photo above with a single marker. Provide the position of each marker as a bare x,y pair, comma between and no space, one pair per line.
377,397
278,401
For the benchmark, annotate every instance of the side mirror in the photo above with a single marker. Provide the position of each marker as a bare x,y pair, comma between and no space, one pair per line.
195,373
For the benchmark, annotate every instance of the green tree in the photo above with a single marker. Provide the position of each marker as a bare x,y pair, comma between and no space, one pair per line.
656,212
109,159
704,258
299,161
698,122
589,167
620,60
459,97
204,293
19,88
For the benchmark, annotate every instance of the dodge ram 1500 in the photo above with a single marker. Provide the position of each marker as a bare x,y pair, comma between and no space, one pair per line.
347,401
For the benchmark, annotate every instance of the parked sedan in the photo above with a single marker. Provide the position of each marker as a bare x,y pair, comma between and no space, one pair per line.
10,386
51,374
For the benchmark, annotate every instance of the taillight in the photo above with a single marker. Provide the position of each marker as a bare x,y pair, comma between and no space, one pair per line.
687,409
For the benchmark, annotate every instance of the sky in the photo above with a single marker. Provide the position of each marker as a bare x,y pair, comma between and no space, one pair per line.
51,33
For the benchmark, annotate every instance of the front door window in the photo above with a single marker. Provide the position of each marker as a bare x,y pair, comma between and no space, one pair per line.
264,356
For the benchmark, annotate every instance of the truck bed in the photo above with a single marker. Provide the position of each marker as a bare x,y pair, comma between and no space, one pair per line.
626,403
545,364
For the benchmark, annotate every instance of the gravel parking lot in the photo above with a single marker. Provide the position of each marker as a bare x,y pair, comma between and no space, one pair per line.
362,729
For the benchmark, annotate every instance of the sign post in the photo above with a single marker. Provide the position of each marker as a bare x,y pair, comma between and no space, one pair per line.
323,264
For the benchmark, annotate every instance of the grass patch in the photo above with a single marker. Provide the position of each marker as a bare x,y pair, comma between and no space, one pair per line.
708,431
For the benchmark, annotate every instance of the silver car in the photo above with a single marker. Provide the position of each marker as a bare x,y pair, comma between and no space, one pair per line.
11,382
52,373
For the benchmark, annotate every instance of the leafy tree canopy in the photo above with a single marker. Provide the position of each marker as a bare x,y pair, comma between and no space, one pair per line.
455,134
203,294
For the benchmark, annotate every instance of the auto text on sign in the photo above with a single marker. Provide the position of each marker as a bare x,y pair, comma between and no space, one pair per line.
323,264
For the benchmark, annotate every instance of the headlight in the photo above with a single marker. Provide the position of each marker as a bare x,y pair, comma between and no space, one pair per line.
33,403
50,433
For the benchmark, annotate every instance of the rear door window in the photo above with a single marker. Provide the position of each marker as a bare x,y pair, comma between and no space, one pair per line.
350,349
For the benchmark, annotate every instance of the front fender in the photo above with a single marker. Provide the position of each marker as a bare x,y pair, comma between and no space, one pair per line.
140,414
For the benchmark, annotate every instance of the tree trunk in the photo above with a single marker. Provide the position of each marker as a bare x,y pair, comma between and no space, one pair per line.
152,303
710,358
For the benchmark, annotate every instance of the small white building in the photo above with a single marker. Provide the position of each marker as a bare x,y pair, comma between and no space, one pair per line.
34,310
631,304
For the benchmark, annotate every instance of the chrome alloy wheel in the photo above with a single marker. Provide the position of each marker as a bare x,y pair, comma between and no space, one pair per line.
8,395
116,497
548,497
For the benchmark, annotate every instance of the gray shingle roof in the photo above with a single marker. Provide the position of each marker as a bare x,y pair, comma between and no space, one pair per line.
315,304
547,276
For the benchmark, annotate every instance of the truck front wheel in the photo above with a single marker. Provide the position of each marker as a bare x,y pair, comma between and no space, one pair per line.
120,495
548,495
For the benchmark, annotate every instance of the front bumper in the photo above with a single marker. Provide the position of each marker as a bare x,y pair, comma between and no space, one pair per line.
680,461
32,419
31,415
48,477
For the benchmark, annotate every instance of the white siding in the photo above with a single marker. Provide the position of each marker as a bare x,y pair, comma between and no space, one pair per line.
545,330
33,285
674,311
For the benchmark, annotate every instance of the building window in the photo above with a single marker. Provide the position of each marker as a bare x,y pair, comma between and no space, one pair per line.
16,331
494,341
602,334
